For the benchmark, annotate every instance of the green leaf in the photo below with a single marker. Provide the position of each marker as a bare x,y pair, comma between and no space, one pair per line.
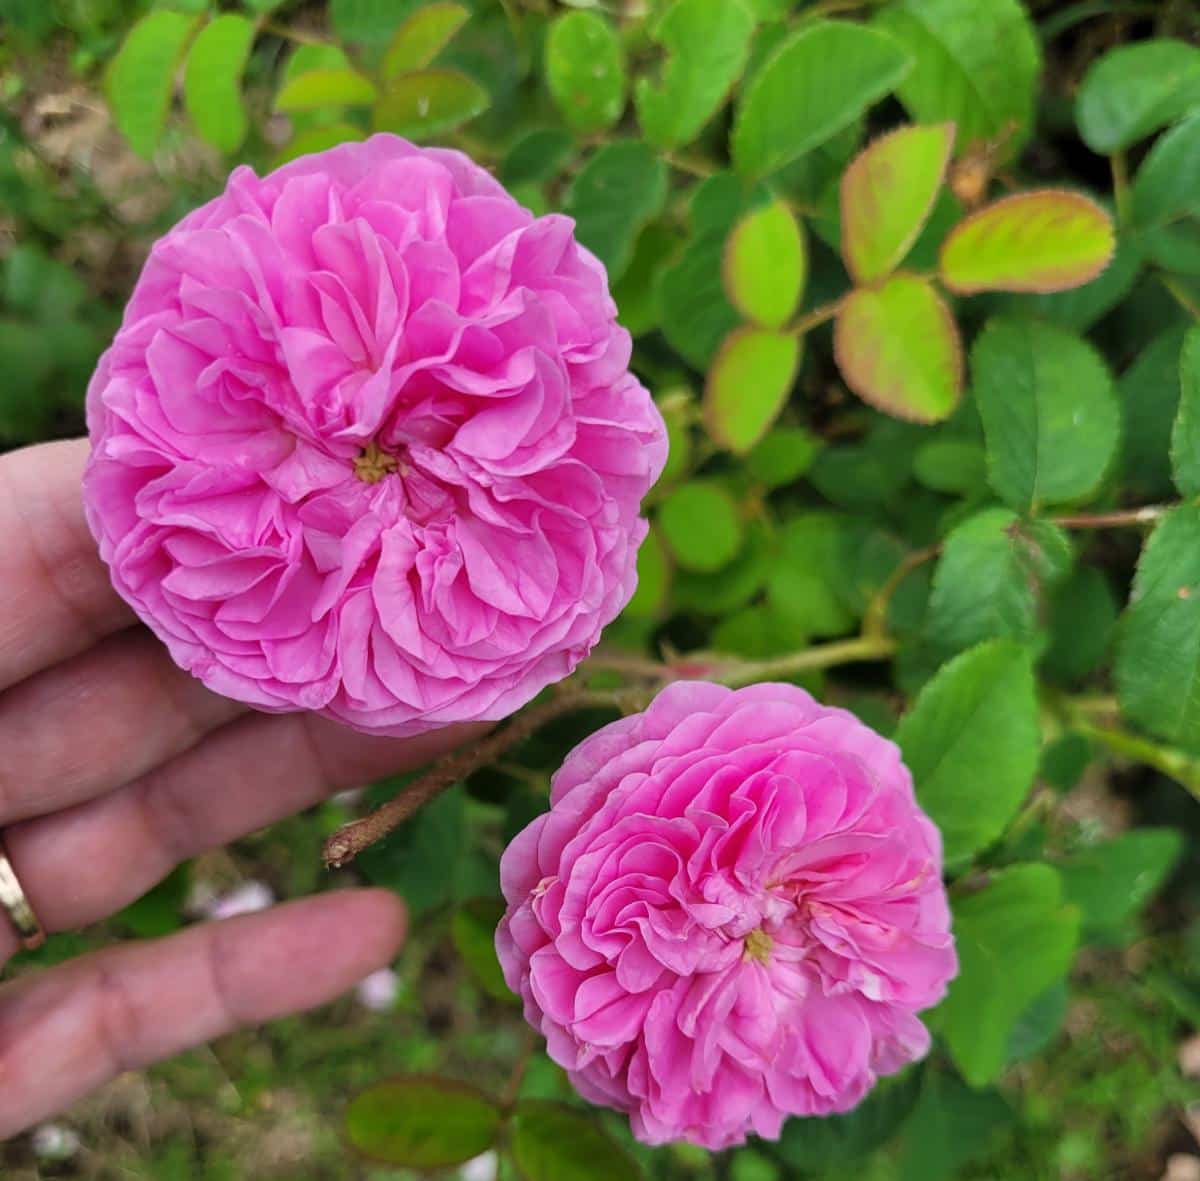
636,292
765,265
653,578
474,932
976,65
990,579
807,580
1158,642
833,1141
424,35
954,466
748,385
421,1122
971,743
1040,241
1083,617
368,21
423,861
1167,184
1150,394
1037,1027
1185,436
536,156
1015,938
706,42
1112,881
428,103
733,587
951,1126
318,139
887,195
898,349
1133,90
701,525
212,84
619,190
141,78
41,287
1050,413
696,316
553,1142
815,84
585,70
783,456
326,88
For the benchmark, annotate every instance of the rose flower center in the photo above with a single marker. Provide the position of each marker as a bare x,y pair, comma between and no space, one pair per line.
374,463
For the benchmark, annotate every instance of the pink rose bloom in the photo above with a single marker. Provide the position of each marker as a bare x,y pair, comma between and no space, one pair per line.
731,914
366,442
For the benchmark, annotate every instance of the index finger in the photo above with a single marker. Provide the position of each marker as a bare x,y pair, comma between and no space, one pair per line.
56,594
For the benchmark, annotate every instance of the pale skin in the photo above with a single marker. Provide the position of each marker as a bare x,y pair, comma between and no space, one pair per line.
114,767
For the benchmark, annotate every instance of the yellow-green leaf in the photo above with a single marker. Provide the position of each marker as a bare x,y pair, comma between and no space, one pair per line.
422,37
141,78
898,348
1050,240
326,88
887,195
212,84
429,102
748,384
318,139
765,265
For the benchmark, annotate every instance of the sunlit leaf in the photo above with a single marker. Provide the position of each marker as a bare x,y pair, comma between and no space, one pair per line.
419,40
141,79
748,384
212,84
326,88
1041,241
887,195
898,348
428,103
765,265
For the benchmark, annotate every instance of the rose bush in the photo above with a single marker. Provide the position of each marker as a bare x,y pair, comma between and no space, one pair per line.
731,913
366,442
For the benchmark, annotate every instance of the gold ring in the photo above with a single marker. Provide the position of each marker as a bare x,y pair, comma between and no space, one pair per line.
14,903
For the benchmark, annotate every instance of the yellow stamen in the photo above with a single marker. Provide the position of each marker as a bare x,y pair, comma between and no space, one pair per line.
374,463
758,946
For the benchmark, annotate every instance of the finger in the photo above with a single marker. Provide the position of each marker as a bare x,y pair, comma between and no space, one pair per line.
83,864
97,721
58,599
66,1031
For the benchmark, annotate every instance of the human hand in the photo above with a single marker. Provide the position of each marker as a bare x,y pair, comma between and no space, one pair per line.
115,765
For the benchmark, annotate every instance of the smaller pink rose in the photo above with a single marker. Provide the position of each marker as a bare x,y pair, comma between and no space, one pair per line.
732,913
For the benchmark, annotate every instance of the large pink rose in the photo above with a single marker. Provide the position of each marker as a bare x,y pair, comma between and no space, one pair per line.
367,443
731,913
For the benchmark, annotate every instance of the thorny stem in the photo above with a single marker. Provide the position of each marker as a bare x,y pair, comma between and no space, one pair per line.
1120,181
875,617
1180,294
351,839
817,316
1147,514
290,34
1175,764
